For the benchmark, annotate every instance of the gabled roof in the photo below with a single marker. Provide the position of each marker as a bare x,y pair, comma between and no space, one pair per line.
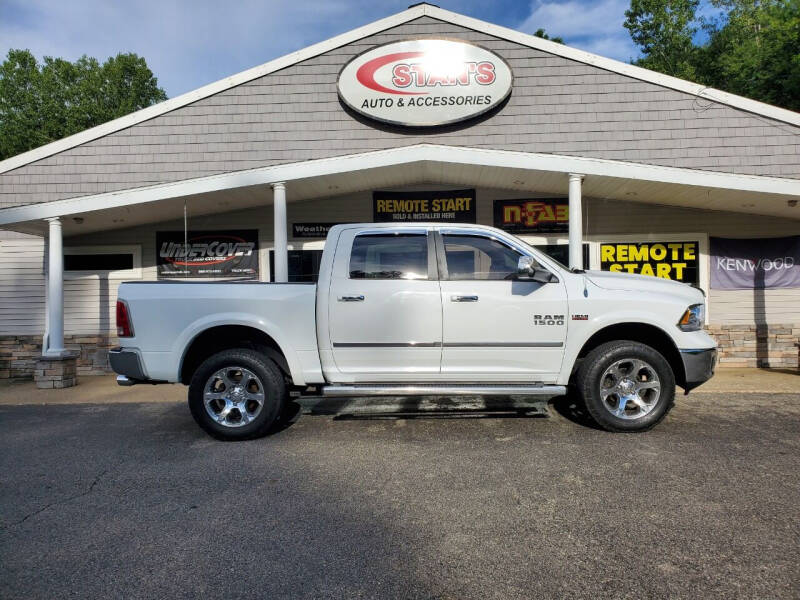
413,12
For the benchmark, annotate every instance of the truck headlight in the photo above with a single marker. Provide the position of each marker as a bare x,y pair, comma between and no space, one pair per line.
693,318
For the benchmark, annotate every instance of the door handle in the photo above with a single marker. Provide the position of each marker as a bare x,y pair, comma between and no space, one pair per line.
351,298
463,298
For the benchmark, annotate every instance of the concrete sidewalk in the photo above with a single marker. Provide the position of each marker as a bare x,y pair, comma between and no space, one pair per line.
104,390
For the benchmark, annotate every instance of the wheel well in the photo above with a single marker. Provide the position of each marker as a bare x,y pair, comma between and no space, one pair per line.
225,337
643,333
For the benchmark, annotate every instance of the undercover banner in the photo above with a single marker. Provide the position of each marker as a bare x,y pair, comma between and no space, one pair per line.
207,254
453,206
738,264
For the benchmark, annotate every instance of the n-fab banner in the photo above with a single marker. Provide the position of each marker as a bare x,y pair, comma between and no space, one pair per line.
229,254
668,260
452,206
755,263
535,215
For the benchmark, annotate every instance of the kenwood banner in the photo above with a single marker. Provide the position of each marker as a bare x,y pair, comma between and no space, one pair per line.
668,260
755,263
207,254
454,206
425,82
535,215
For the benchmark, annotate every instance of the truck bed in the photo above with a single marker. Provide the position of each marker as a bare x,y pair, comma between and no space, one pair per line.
167,315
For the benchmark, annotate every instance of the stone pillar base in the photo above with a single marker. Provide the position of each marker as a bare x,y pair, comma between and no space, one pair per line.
56,371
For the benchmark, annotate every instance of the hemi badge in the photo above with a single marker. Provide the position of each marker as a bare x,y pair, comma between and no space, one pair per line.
580,317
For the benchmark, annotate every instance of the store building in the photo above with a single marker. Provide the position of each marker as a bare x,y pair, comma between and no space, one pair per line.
424,115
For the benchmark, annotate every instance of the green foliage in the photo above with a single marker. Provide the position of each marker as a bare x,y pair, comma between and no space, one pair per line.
663,29
752,47
44,102
541,33
755,50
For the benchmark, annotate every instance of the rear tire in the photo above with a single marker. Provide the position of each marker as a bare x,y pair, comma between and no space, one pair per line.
627,386
237,394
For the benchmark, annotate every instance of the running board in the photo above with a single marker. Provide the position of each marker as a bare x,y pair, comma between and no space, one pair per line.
377,389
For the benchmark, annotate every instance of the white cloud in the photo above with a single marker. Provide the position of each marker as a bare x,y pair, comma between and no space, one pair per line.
189,43
186,43
591,26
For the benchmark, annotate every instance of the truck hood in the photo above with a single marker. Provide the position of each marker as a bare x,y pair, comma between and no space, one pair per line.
630,282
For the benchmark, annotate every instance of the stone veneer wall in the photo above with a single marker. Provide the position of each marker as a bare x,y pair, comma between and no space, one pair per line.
19,353
740,346
773,346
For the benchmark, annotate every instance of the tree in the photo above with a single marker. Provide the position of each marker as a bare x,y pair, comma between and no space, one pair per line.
541,33
754,50
43,102
752,47
664,29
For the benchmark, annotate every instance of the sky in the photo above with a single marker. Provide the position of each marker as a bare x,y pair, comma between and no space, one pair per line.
189,43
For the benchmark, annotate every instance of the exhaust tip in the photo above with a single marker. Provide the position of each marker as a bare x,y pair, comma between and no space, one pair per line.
125,381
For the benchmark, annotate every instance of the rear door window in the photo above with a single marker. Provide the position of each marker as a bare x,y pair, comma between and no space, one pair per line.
389,256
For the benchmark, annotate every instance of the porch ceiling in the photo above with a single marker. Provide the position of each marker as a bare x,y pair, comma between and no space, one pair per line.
415,165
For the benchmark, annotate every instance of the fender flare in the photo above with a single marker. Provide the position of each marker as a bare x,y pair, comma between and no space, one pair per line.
291,361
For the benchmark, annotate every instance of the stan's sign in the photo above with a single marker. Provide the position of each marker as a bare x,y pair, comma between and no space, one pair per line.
423,83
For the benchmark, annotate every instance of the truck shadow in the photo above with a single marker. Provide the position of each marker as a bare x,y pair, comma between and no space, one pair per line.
571,407
422,407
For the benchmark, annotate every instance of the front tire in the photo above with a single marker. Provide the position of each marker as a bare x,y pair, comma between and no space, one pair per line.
237,394
627,386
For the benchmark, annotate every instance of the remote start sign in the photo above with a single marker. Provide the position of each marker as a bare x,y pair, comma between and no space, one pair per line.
425,83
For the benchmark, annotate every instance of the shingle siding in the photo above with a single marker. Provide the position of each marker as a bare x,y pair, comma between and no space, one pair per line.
557,106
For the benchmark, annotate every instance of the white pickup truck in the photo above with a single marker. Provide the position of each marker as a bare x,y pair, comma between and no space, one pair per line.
418,309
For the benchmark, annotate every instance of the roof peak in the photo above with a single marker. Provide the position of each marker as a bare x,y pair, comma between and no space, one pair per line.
414,11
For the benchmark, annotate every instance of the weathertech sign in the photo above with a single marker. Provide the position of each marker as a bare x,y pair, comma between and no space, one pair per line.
424,83
208,254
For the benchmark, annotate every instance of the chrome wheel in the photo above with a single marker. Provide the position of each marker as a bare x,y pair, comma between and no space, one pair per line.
630,388
233,396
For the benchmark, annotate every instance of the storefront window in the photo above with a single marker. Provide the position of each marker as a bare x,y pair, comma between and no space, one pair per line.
303,265
560,252
112,262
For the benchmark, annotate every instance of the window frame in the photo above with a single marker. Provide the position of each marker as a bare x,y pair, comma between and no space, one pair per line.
432,273
442,255
133,249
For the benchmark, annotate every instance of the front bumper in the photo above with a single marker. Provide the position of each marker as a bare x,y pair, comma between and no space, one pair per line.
698,365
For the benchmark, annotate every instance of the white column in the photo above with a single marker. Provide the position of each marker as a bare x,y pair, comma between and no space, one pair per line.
575,222
55,289
281,251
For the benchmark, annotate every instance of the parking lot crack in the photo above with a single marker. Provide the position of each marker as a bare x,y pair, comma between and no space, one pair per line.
86,492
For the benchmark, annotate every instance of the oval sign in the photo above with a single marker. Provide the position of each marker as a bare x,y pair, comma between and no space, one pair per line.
424,83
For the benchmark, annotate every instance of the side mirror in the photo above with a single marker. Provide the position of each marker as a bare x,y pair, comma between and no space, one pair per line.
528,271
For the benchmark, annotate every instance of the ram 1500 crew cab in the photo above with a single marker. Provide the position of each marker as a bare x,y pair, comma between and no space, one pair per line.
418,309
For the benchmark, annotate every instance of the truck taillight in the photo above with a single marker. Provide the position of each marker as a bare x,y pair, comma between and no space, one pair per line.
124,325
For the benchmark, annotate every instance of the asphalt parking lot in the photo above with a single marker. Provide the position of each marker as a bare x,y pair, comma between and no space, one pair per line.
135,501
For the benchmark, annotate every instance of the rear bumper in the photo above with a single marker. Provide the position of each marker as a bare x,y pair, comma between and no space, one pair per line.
126,363
698,365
